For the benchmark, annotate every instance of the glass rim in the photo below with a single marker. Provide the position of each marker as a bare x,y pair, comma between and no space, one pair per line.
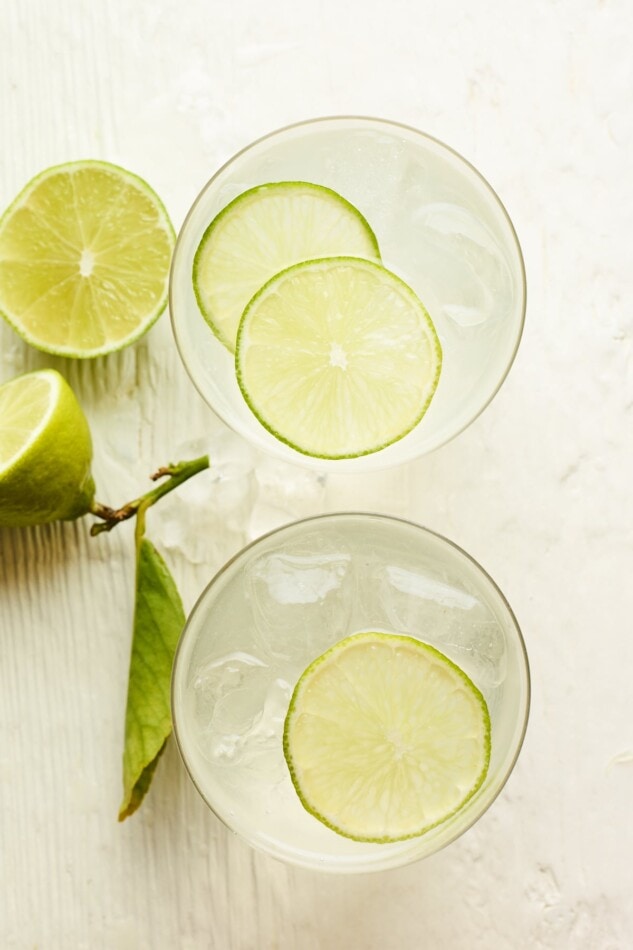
524,717
388,123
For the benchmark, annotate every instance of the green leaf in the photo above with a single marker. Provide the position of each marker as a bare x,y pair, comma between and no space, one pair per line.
158,621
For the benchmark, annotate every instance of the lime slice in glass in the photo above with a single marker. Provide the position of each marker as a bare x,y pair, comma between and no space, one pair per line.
85,251
263,231
337,357
385,737
45,451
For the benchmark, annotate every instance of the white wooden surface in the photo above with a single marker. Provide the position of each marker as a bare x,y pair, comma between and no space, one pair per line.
538,95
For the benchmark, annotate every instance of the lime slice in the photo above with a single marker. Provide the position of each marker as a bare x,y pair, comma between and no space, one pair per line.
85,251
385,737
337,357
45,451
263,231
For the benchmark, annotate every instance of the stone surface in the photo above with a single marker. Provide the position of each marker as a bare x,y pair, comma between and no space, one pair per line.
538,96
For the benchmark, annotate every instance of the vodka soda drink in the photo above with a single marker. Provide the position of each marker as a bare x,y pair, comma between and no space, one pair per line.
385,193
307,592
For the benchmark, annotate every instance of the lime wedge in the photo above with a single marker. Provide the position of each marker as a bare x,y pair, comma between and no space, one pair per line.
45,451
85,251
337,357
385,737
263,231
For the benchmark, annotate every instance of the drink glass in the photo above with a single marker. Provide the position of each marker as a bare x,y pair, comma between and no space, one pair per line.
284,600
440,226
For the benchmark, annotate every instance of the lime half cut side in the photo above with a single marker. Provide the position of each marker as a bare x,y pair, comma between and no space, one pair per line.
85,251
263,231
337,357
27,404
385,737
45,451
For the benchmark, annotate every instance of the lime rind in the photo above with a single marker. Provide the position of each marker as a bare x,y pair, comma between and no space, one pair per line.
152,317
406,289
243,198
444,660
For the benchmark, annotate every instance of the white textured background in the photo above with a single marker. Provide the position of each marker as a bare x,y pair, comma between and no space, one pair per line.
539,96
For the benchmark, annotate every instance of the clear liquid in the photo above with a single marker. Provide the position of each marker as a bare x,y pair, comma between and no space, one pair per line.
276,608
439,226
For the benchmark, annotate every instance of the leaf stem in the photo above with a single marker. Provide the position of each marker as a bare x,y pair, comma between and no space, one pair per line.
176,475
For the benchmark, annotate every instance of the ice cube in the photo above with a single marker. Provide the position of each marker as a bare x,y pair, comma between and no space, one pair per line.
247,734
440,611
301,603
229,692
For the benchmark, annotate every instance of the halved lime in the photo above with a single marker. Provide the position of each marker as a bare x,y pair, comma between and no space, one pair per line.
263,231
85,251
385,737
337,357
45,451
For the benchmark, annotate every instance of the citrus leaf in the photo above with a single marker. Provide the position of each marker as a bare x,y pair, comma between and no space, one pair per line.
158,621
141,786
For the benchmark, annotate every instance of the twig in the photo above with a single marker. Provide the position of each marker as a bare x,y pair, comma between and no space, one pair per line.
177,474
